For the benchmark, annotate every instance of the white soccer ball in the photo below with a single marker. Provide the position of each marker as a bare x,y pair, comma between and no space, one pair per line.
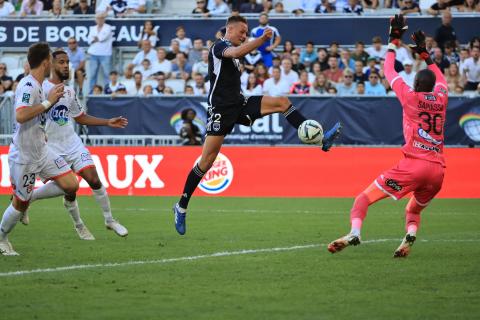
310,132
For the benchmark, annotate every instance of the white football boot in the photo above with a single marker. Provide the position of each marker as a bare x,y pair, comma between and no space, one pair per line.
404,249
83,232
117,228
6,248
343,242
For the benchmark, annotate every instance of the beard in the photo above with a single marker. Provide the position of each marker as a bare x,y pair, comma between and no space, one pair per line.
62,76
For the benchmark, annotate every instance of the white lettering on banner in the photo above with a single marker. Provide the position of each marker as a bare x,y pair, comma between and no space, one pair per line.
3,34
54,34
66,33
33,34
81,33
266,124
100,171
112,161
123,34
148,171
19,34
51,34
5,179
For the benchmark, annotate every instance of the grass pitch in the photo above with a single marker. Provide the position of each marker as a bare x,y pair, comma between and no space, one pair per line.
161,275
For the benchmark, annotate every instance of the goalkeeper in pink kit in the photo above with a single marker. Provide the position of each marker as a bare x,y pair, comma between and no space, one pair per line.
422,169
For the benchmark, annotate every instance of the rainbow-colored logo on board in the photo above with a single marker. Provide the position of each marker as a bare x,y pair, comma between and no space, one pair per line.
470,122
219,177
176,122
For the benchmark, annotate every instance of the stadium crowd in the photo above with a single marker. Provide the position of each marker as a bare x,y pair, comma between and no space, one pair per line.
277,68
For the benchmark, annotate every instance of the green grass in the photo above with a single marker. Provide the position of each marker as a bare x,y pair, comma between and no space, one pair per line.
440,279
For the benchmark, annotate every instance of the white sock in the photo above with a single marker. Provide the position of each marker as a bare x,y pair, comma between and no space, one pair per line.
9,220
48,190
101,197
73,210
355,232
180,209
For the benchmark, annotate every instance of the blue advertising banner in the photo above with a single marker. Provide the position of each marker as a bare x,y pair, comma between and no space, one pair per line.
300,30
366,120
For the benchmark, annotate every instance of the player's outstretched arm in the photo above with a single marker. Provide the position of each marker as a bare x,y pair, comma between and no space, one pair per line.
117,122
397,28
244,49
24,114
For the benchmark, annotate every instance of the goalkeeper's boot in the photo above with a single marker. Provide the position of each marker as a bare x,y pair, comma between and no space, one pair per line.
6,248
180,219
330,136
404,249
343,242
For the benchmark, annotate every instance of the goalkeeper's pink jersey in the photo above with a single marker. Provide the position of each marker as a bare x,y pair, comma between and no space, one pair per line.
423,114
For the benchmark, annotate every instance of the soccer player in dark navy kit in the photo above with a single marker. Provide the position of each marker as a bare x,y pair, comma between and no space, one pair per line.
228,106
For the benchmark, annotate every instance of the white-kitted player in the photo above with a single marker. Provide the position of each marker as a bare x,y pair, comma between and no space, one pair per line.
29,155
63,140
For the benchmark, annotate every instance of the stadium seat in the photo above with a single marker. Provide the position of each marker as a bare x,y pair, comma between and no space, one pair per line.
178,85
11,62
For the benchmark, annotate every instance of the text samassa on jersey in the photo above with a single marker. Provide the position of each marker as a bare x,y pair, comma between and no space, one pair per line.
55,33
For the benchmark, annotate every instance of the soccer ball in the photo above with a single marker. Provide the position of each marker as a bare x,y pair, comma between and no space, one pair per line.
310,132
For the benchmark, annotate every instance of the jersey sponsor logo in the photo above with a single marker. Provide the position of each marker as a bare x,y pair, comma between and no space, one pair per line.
423,134
420,145
28,84
59,114
393,184
60,162
26,97
85,157
219,177
430,97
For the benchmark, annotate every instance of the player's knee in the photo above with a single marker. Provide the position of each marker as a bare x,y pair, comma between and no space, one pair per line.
71,188
95,183
283,104
19,205
413,206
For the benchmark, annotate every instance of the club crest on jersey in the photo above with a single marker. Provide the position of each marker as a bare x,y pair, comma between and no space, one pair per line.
60,162
86,157
424,134
59,114
26,97
430,97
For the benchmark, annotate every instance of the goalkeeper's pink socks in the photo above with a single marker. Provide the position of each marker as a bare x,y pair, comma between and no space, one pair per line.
360,207
412,216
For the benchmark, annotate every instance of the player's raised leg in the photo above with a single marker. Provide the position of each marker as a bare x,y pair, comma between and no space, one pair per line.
412,222
100,194
211,148
283,105
358,213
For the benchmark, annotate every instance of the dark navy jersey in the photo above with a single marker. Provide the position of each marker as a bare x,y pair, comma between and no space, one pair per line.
224,74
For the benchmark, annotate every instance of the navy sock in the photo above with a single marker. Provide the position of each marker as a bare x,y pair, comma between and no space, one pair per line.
191,184
294,117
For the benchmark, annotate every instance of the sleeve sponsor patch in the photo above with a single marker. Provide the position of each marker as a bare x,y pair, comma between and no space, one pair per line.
26,97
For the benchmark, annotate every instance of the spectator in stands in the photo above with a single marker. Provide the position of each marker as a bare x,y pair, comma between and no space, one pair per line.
333,73
161,64
345,61
332,91
309,5
442,5
347,87
297,66
327,6
136,6
113,85
373,87
31,8
118,7
361,88
289,76
261,73
409,6
471,70
252,59
83,8
184,43
322,58
195,54
439,59
458,90
97,89
453,77
320,85
315,70
146,69
333,50
251,7
371,66
470,6
148,33
174,49
445,32
278,9
353,6
370,4
147,90
302,86
201,67
200,86
359,54
358,74
160,88
147,53
407,74
6,9
201,8
252,88
267,6
6,81
71,5
275,86
190,132
308,54
450,54
377,50
464,55
266,49
26,71
100,40
136,88
218,7
168,91
181,69
188,90
76,55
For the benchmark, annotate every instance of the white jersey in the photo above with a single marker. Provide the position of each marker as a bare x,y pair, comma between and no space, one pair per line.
62,137
29,140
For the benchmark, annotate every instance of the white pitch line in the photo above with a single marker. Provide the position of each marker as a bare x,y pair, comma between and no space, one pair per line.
198,257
